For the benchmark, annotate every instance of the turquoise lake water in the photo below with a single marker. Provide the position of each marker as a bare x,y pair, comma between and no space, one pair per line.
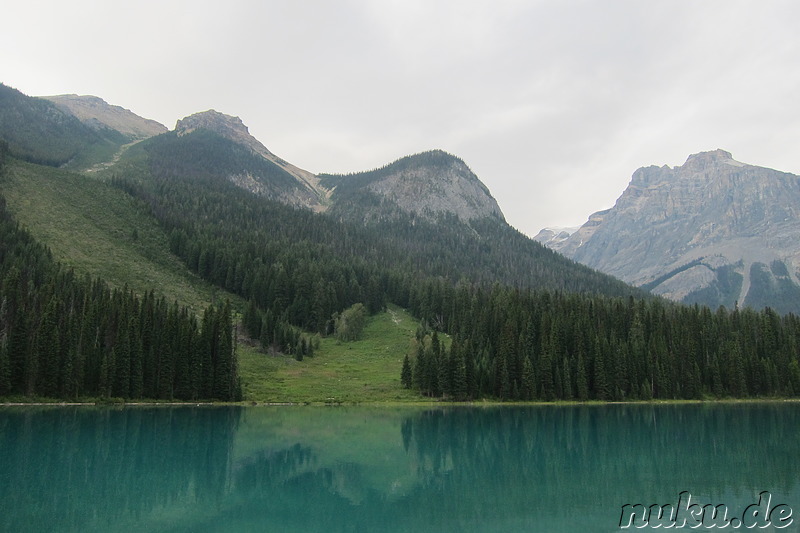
411,469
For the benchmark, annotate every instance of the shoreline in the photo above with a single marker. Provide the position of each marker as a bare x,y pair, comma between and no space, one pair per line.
398,403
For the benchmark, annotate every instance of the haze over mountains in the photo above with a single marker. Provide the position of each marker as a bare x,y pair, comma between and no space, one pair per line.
713,231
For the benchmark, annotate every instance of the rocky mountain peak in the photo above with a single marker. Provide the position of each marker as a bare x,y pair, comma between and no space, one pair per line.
705,160
710,156
228,126
232,128
712,231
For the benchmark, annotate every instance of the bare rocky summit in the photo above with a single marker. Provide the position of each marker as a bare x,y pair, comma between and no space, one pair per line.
449,187
97,114
713,231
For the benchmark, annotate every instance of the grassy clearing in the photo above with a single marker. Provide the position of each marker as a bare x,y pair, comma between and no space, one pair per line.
99,230
367,370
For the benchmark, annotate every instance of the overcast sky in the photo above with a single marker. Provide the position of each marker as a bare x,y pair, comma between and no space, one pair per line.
553,104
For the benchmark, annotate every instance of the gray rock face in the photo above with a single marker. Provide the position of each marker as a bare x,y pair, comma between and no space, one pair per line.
450,187
97,113
428,185
712,231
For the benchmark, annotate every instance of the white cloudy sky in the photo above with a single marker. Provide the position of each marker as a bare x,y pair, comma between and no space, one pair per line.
553,103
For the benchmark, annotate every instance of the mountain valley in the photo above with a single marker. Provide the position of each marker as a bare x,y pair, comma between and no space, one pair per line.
207,217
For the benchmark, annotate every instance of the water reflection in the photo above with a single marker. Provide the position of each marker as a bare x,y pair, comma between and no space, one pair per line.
374,469
80,468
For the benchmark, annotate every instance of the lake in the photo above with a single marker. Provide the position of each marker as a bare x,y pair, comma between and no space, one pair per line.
411,469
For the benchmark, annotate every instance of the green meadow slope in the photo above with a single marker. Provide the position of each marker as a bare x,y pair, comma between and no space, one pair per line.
366,370
100,231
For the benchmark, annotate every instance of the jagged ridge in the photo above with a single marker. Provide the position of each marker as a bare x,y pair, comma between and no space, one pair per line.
708,231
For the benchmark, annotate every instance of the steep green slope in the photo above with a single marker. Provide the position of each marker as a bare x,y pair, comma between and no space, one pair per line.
99,230
205,154
68,336
37,130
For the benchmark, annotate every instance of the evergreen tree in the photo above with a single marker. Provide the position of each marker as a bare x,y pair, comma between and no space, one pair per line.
458,373
528,390
405,373
581,380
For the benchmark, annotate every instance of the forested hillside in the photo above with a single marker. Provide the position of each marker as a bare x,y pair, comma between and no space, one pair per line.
62,336
299,267
531,345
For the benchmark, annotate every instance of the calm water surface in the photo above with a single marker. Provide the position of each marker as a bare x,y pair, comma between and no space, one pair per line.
368,469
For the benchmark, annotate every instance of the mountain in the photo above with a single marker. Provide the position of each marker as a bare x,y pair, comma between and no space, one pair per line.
428,185
713,231
427,213
214,147
554,237
99,115
206,213
232,128
39,131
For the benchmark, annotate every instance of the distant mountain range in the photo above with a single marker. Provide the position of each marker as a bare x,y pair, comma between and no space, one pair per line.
433,192
713,231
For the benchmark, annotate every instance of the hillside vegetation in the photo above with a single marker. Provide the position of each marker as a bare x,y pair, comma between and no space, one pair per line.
99,230
36,130
64,336
321,296
365,370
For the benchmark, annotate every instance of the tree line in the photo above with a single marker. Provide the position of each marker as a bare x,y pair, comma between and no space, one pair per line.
62,336
540,345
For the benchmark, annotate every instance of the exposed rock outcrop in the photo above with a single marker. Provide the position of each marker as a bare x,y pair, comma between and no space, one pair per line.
428,184
554,237
714,231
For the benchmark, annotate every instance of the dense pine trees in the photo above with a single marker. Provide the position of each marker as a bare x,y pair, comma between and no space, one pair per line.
65,337
528,345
